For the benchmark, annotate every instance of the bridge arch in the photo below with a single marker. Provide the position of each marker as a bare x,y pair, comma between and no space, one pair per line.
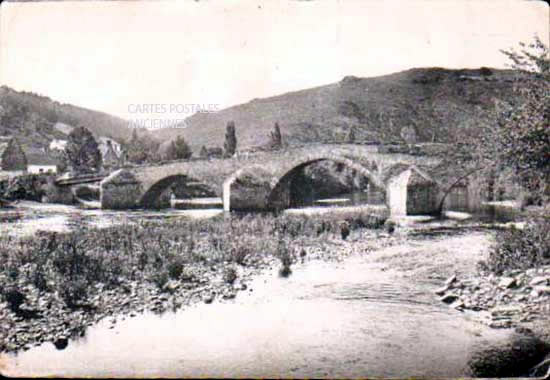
280,197
158,196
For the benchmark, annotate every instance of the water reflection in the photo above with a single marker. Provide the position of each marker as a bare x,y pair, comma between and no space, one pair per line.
30,217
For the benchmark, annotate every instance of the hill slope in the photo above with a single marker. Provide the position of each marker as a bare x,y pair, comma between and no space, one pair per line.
32,118
428,104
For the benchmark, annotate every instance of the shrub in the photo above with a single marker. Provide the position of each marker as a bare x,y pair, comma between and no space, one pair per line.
73,292
283,253
13,272
14,298
229,275
521,249
175,268
38,278
390,226
160,278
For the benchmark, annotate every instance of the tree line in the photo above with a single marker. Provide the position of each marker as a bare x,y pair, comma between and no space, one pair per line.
82,154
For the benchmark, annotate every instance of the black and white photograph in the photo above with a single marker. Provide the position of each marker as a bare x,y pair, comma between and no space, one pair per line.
275,189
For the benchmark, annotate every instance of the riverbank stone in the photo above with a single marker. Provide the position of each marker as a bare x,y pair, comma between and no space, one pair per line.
449,298
208,298
539,280
507,283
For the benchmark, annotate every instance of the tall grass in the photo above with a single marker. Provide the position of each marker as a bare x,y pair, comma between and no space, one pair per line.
72,263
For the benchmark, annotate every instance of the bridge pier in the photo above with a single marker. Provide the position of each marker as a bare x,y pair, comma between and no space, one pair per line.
247,191
54,193
411,193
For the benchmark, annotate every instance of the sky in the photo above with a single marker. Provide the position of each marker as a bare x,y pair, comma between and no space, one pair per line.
122,57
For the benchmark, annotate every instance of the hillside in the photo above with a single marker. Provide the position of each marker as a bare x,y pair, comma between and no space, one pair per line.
35,120
428,104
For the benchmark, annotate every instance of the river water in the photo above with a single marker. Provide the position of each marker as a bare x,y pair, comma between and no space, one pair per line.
356,318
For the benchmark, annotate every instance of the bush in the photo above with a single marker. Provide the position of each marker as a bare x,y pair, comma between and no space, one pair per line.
73,292
38,278
283,253
175,268
160,279
521,249
14,298
229,275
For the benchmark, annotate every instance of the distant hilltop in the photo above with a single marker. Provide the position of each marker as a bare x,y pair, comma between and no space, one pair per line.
417,105
36,120
422,105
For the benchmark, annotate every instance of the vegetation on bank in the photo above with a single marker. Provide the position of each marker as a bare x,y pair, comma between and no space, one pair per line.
72,264
28,187
521,249
522,142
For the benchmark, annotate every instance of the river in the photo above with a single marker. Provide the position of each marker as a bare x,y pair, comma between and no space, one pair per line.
369,315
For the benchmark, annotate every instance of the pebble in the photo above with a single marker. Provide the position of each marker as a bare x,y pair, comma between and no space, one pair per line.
539,281
449,298
542,289
208,298
507,282
508,300
451,280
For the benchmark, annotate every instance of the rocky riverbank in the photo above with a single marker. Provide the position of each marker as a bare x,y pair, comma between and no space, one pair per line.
517,299
44,317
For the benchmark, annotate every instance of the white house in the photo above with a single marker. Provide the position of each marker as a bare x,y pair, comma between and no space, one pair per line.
38,162
107,143
58,145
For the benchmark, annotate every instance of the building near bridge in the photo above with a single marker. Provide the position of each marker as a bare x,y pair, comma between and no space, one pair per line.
111,153
107,143
39,162
58,145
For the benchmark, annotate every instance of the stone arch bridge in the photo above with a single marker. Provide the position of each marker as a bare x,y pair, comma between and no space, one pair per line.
255,181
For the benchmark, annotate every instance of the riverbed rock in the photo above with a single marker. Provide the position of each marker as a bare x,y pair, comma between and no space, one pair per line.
542,290
450,281
449,298
171,286
229,294
458,305
539,280
441,291
507,283
208,298
61,343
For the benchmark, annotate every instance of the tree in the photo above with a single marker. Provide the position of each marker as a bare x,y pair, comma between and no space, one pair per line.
533,57
139,150
203,152
82,153
230,144
523,135
13,157
514,135
350,136
276,140
134,150
178,149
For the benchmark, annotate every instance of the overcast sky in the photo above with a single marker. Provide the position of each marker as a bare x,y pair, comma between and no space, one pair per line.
111,56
